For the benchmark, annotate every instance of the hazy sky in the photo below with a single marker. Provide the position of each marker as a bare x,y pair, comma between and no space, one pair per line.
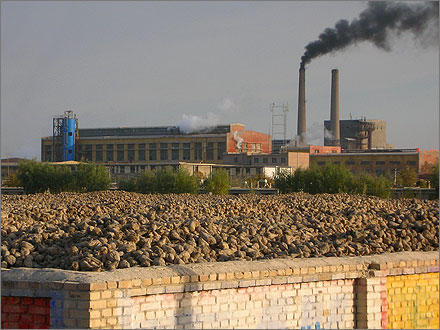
163,63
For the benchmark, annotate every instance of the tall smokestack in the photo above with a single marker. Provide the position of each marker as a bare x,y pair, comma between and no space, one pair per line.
334,109
301,132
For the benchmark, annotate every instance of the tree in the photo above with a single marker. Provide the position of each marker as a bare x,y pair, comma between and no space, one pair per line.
435,179
218,183
91,177
165,181
13,181
186,183
407,177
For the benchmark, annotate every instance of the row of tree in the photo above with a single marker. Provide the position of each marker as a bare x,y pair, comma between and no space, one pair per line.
37,177
166,181
332,179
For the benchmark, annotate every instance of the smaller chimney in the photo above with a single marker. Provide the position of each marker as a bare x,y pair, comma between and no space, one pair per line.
334,109
301,132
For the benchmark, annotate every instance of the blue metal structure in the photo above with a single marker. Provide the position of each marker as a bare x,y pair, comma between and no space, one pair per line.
68,133
65,136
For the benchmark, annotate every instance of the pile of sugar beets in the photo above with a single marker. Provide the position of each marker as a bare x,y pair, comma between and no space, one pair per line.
113,229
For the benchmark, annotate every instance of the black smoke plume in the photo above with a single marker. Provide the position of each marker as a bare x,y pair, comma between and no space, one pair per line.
375,24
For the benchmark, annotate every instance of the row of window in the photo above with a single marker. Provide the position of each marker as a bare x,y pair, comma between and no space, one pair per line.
153,153
265,160
367,162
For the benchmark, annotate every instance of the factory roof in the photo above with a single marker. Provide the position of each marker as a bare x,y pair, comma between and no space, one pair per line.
149,131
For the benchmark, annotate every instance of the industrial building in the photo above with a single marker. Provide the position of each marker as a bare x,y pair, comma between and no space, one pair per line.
379,162
358,134
148,145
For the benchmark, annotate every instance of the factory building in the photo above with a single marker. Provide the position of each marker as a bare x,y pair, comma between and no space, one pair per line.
359,134
380,162
149,145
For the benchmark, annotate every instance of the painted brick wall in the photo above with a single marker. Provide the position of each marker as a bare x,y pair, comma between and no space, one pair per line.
413,301
328,304
25,313
335,293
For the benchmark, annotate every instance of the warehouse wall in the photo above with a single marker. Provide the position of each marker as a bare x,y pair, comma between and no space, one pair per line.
349,292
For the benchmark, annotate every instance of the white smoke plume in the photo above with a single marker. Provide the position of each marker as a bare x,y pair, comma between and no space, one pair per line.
193,123
327,134
314,134
228,105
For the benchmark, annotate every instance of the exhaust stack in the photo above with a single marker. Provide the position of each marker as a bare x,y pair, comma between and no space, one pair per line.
301,132
334,109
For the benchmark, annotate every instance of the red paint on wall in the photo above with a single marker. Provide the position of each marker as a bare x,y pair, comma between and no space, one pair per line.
249,137
25,313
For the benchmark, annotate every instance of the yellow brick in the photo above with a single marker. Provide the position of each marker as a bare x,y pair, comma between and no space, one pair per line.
397,290
397,284
410,289
404,289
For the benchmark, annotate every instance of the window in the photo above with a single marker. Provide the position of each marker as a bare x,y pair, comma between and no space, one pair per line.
109,154
365,162
411,162
88,152
380,162
141,151
186,151
130,152
120,152
198,150
210,151
152,153
248,170
337,163
47,152
99,152
334,151
256,160
283,160
316,151
174,151
321,163
235,159
395,162
274,160
380,172
164,151
221,149
349,162
132,169
265,160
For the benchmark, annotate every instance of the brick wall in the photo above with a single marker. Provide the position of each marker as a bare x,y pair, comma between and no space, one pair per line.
349,292
412,301
25,313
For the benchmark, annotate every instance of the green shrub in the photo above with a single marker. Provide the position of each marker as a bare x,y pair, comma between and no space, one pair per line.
161,181
91,177
186,183
332,179
165,181
218,183
40,177
435,179
146,182
130,184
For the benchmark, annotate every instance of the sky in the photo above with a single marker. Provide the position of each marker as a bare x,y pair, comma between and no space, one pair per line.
178,63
